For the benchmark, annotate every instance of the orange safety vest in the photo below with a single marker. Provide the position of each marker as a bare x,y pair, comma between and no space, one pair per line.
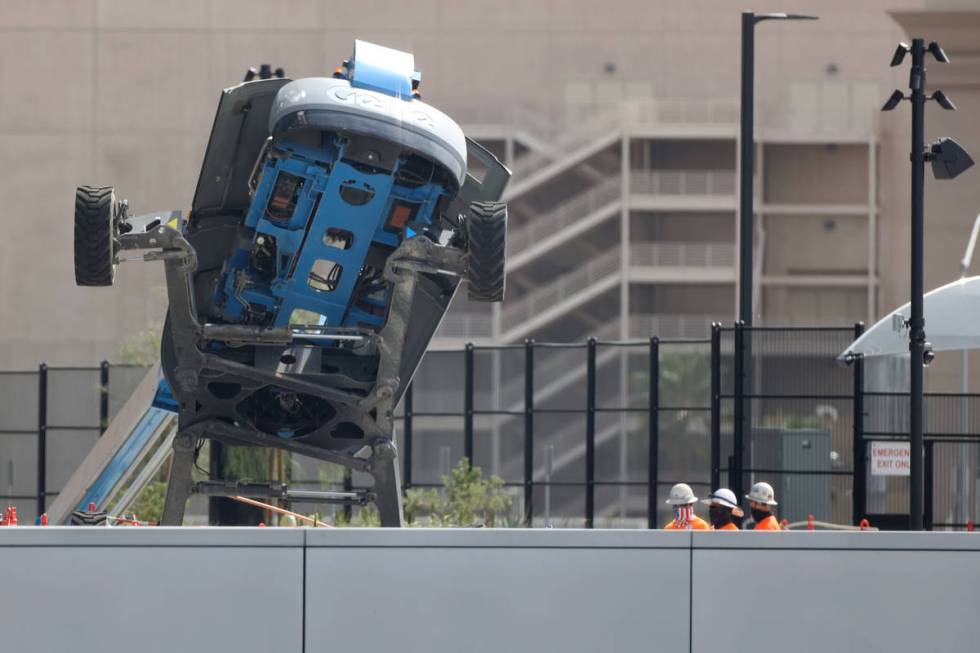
768,524
696,524
727,527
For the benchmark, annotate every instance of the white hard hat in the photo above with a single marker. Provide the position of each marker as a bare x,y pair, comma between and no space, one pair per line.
682,495
762,492
723,497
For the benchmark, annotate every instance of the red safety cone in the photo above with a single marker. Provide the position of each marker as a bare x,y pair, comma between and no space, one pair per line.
809,522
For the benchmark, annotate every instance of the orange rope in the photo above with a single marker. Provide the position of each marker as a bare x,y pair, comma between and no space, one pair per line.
281,511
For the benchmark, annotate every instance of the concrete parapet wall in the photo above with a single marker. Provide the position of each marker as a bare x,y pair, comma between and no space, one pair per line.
263,590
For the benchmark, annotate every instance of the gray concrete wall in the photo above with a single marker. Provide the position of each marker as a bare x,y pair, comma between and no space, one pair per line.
152,590
485,590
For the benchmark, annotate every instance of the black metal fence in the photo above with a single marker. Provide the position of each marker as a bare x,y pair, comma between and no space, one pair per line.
594,434
951,427
586,434
49,419
784,412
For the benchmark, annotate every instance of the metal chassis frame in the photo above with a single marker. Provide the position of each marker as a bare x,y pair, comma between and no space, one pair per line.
375,454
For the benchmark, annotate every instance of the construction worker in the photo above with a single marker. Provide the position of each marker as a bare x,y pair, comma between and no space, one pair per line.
722,509
761,500
682,499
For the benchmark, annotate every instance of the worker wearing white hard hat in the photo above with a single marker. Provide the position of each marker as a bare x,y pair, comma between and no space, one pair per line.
761,500
723,510
682,500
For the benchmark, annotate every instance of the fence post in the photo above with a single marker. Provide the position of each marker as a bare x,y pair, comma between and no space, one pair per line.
653,420
217,506
103,396
715,406
468,357
407,438
42,437
528,432
348,487
859,483
928,479
590,434
738,439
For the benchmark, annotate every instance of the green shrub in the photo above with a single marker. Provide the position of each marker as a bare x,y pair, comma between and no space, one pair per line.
466,499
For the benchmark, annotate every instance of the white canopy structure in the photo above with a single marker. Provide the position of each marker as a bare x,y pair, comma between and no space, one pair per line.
952,314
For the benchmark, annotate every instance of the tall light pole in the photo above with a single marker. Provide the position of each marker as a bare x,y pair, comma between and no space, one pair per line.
747,157
948,160
745,231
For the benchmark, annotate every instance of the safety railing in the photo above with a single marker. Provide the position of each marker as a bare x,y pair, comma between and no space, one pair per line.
704,255
693,111
564,287
570,138
463,325
673,325
683,182
563,216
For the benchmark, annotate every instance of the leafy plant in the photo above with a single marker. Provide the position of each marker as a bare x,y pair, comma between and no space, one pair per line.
148,505
467,498
142,348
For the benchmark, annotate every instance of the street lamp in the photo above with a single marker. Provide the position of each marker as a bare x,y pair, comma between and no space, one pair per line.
745,223
747,156
948,160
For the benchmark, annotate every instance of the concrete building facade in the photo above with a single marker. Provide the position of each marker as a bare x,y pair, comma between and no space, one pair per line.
620,123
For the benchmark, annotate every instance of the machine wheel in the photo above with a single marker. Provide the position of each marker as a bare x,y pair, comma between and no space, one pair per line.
95,213
486,234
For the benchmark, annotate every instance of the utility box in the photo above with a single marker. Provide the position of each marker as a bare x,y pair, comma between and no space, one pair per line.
801,450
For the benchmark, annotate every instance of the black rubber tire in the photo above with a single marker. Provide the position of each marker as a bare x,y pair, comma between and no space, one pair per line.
95,208
486,251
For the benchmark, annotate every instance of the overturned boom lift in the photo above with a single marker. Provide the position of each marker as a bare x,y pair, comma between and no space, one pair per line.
333,221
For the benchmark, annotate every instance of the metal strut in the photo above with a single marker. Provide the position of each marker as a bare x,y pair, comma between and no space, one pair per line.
376,455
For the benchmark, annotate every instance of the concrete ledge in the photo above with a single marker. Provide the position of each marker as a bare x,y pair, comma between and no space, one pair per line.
156,536
497,538
484,590
837,540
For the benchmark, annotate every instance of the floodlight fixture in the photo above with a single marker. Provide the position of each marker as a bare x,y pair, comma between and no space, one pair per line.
893,101
936,50
948,159
899,55
942,100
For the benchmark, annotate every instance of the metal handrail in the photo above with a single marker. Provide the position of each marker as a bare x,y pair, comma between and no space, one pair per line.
563,216
460,324
565,286
683,182
673,325
670,254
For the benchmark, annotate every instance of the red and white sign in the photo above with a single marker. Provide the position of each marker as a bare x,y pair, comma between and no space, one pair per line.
890,458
